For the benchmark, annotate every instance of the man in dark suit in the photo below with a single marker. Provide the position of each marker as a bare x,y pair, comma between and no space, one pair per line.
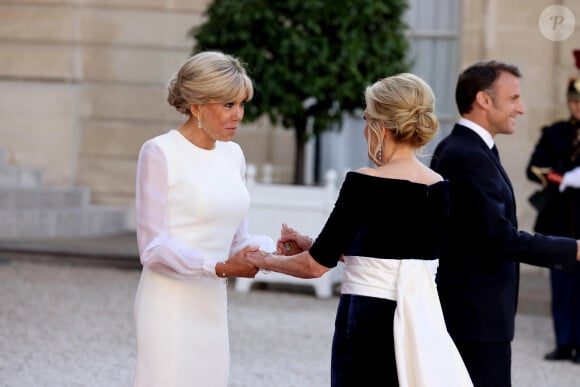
555,163
478,270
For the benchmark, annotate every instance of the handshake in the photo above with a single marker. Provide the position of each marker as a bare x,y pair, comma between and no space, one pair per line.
290,243
570,179
292,256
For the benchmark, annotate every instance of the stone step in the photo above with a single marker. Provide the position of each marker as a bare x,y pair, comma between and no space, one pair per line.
90,220
11,176
30,209
43,197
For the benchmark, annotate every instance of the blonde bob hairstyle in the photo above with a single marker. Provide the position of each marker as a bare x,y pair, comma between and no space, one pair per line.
209,77
403,104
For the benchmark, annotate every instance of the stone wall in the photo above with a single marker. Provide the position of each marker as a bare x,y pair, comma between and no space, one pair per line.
83,85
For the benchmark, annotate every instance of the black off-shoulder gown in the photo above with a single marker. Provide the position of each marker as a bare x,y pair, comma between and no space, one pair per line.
382,222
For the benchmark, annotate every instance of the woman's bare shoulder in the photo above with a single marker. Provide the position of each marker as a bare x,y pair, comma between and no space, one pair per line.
367,171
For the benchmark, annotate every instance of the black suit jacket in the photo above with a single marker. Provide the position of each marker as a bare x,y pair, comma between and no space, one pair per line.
477,279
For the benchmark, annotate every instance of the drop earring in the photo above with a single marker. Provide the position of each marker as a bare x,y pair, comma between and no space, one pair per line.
380,155
199,122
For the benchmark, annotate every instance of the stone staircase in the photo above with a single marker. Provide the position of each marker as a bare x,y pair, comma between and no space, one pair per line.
30,209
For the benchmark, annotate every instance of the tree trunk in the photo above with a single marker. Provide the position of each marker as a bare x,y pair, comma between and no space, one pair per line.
299,155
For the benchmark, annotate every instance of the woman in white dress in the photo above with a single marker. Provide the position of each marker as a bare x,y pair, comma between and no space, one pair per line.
192,230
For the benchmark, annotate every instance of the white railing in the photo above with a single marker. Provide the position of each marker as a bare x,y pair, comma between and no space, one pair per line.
304,208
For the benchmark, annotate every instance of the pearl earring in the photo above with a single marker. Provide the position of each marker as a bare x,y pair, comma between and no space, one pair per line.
380,155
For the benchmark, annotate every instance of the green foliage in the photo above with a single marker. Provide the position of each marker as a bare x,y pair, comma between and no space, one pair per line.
321,51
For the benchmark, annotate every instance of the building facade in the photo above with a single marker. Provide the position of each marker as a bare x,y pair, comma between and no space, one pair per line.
83,82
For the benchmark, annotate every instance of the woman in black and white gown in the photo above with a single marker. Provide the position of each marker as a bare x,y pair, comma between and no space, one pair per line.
387,227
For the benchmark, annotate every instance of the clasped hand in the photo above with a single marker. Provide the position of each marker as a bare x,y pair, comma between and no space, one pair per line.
238,266
291,242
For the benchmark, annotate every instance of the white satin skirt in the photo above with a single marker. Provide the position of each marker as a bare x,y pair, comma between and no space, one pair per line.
181,331
425,353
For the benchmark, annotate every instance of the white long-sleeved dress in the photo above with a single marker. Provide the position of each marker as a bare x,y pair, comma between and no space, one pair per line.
191,208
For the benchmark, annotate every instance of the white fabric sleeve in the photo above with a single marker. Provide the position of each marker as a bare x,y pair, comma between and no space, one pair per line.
157,250
242,237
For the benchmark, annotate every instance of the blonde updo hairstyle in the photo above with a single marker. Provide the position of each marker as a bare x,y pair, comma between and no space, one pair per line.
403,104
209,77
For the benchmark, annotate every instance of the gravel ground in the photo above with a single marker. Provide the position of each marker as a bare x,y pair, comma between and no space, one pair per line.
70,325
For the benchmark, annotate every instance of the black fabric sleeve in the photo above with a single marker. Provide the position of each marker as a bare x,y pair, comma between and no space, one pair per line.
341,225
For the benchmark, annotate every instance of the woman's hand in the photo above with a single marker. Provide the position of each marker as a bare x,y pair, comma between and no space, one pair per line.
301,265
237,265
291,242
257,258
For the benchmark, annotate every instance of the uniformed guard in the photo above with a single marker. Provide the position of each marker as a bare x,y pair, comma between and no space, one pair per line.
555,163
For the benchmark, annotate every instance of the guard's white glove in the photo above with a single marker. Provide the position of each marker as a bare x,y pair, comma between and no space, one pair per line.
570,179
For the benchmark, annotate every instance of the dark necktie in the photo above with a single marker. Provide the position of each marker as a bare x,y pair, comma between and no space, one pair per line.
495,152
